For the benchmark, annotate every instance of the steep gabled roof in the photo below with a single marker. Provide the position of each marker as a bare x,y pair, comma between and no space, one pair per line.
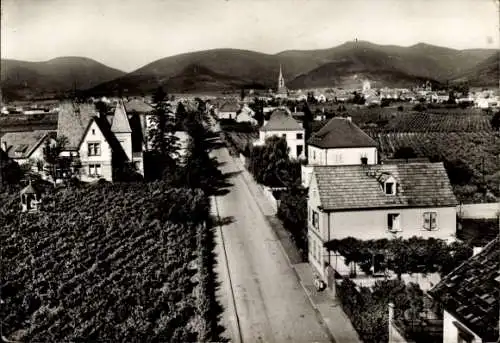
281,121
471,292
229,107
341,133
72,122
361,187
120,120
138,106
22,144
103,125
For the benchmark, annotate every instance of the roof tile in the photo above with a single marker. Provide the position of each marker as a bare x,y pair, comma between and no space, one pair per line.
281,121
474,296
358,187
341,133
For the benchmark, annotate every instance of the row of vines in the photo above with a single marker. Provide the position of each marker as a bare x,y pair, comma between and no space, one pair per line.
118,263
479,151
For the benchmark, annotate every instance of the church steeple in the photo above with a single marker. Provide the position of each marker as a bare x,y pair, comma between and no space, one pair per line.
281,83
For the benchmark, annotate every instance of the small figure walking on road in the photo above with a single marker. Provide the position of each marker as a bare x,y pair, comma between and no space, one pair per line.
319,284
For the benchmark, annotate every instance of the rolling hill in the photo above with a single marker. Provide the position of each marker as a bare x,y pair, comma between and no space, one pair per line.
486,73
233,69
20,79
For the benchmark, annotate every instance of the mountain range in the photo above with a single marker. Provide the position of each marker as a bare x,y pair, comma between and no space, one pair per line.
230,69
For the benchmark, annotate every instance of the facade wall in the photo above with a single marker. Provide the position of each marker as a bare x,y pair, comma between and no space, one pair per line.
315,233
226,115
125,140
292,139
94,135
340,156
450,331
372,224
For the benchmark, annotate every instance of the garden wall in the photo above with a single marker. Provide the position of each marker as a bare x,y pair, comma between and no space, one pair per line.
479,211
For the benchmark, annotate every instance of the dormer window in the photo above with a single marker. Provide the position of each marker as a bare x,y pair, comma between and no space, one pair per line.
390,188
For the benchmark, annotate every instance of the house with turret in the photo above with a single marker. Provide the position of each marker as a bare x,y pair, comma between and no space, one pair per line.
101,144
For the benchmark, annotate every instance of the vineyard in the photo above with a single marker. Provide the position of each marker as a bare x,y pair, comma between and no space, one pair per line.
117,263
479,150
423,122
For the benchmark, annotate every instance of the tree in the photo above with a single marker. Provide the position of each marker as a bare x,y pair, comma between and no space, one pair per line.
292,211
242,94
400,108
495,121
199,169
164,152
459,172
405,152
101,107
10,172
57,166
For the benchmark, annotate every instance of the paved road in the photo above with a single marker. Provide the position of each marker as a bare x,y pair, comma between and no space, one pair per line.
269,301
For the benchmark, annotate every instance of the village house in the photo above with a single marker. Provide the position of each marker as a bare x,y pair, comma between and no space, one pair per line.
246,115
377,201
338,142
27,147
228,110
282,124
470,298
100,143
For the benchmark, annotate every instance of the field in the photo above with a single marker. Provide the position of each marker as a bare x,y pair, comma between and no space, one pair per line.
117,263
443,137
390,120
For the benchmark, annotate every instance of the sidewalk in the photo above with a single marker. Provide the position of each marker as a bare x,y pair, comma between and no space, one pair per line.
324,302
328,306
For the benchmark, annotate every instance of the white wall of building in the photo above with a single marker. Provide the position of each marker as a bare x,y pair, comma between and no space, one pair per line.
340,156
450,331
94,135
294,139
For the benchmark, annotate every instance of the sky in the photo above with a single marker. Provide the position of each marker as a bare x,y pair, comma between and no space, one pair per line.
127,34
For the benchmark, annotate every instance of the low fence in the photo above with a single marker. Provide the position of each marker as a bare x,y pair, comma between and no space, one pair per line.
479,211
268,193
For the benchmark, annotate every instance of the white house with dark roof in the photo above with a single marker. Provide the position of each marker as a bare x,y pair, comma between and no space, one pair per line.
282,124
25,147
228,110
101,143
339,142
378,201
470,297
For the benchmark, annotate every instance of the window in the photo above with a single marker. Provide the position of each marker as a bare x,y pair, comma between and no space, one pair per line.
430,221
315,220
314,154
393,223
94,149
299,136
93,131
300,148
338,158
389,188
94,170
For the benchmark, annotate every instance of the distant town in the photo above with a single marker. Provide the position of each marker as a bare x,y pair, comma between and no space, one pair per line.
208,207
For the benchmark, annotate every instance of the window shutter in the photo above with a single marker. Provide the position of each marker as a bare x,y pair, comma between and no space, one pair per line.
433,220
427,220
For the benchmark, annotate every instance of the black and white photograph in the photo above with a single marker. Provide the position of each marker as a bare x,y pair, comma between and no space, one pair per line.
250,171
